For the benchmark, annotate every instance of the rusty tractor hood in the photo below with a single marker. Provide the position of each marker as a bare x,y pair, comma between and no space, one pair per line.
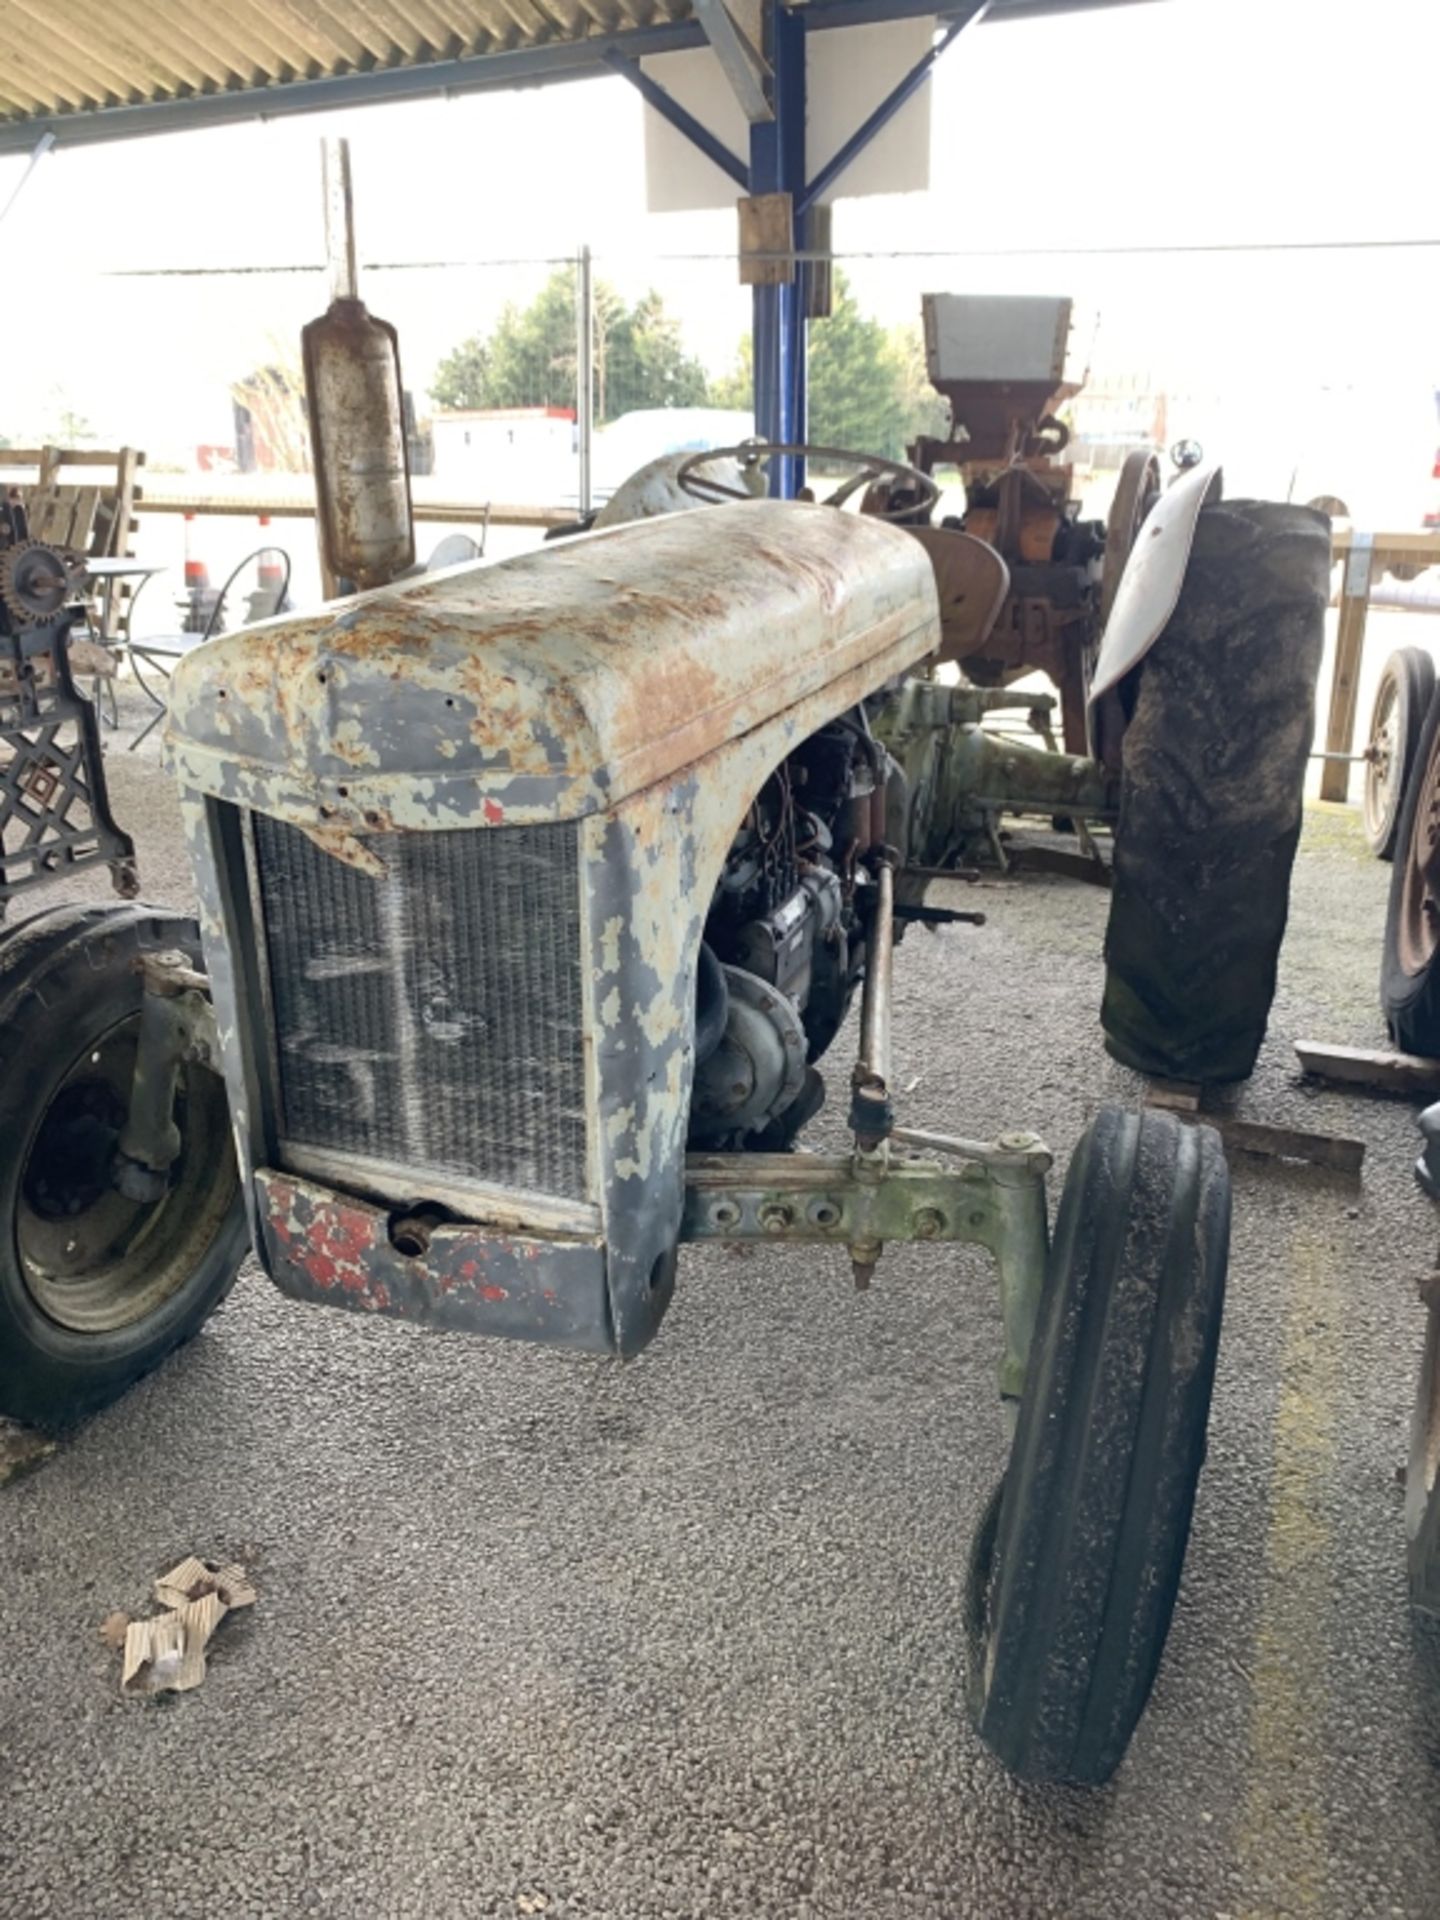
552,685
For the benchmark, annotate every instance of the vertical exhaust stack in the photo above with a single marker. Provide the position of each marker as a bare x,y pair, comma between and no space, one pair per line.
354,399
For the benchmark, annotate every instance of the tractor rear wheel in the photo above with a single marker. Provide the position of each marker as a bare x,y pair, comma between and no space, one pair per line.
96,1288
1221,715
1076,1564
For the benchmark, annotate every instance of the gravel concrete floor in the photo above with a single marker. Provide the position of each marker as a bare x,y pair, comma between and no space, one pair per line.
539,1635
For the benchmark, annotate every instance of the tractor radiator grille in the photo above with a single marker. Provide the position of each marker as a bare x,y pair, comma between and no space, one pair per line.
433,1017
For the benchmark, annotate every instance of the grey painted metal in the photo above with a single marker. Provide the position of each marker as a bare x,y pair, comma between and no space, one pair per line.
989,336
829,1199
1154,572
646,682
746,71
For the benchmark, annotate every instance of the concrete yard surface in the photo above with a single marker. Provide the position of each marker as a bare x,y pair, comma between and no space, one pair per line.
538,1635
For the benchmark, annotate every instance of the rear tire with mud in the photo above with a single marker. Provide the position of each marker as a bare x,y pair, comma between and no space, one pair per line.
96,1288
1221,716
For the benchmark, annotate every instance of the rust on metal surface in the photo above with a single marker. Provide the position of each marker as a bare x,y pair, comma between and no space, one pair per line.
553,685
645,682
972,581
354,399
333,1248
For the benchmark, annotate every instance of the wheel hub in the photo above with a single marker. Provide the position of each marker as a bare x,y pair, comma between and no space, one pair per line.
69,1167
94,1260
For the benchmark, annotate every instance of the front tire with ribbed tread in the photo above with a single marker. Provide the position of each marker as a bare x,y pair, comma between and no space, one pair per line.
1076,1563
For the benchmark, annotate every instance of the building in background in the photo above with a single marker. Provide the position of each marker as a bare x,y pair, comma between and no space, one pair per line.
525,456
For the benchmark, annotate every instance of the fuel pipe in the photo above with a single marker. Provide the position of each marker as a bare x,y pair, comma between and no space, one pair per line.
871,1113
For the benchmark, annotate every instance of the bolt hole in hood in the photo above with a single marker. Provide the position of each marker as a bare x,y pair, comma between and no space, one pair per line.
552,685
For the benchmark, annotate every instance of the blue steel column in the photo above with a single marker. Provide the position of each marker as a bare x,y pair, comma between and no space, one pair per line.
777,165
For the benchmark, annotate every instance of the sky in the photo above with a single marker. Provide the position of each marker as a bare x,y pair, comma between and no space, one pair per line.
1181,124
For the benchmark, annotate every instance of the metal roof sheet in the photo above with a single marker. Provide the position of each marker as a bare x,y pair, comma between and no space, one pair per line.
61,59
105,69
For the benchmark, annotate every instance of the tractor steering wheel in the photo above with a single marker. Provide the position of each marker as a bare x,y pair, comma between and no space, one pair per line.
919,492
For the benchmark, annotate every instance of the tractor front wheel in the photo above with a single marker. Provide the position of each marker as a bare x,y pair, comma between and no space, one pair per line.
96,1287
1076,1564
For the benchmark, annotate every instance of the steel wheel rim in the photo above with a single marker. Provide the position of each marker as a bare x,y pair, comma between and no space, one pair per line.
1418,920
1382,763
92,1261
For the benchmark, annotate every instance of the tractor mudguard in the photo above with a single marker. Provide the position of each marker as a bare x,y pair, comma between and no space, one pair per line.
1149,589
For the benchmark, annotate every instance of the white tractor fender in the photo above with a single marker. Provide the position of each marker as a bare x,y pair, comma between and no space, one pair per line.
1150,584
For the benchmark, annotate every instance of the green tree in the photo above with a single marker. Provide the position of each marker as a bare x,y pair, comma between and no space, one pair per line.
645,359
463,376
856,385
867,387
926,413
736,389
528,360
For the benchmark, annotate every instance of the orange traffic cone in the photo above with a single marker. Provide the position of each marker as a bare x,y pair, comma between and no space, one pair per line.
195,606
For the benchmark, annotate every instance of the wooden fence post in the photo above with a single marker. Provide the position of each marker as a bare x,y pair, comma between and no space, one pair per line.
1349,647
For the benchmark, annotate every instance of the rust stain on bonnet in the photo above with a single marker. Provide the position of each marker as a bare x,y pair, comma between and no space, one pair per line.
645,682
555,684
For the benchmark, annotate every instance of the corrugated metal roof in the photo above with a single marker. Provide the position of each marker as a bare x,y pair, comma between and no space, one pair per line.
60,57
87,70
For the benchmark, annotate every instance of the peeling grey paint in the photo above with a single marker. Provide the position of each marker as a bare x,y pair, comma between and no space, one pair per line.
645,682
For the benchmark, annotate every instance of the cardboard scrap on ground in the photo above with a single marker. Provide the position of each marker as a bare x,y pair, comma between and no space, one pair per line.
166,1654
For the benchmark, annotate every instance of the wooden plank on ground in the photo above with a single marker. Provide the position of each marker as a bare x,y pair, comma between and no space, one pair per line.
1380,1070
1293,1143
1180,1096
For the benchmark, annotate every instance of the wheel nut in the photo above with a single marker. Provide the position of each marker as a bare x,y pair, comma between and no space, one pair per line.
928,1222
775,1218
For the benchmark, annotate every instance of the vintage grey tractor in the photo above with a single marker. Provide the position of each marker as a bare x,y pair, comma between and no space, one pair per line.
532,896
